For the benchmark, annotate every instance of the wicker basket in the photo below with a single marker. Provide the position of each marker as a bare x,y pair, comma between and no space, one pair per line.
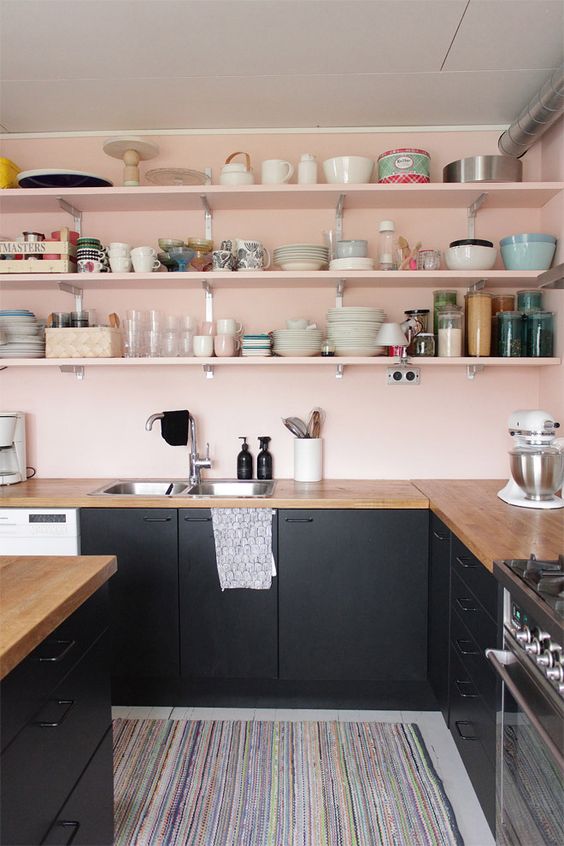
87,342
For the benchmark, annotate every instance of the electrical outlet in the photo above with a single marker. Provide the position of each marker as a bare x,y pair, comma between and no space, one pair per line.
404,375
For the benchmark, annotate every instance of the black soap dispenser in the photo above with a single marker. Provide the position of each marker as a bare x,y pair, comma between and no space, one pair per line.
244,461
264,459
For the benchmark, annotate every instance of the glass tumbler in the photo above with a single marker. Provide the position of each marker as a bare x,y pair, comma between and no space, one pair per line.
134,339
428,260
169,344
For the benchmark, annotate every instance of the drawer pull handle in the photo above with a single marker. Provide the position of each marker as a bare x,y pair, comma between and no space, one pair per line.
299,519
67,646
67,703
197,519
466,604
157,519
54,837
463,647
467,563
440,535
459,723
459,686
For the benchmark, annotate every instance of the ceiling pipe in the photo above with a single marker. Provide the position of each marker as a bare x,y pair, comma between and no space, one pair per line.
539,114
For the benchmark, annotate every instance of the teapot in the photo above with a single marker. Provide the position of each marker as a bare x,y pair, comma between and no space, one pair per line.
237,173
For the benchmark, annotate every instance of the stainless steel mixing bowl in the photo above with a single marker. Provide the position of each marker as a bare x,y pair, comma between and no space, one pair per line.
539,473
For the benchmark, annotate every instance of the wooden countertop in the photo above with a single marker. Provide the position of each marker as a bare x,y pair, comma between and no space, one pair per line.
37,593
489,527
338,493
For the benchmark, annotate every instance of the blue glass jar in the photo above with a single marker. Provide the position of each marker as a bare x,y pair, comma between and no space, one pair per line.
509,334
540,334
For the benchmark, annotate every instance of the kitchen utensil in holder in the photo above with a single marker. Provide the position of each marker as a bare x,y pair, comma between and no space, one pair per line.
308,459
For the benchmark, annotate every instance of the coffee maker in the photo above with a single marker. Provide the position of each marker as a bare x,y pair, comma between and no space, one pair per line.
12,447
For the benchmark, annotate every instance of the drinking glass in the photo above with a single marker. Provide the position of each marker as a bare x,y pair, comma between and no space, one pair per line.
134,339
185,343
169,344
154,343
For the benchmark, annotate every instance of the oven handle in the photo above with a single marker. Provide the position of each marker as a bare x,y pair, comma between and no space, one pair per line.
499,658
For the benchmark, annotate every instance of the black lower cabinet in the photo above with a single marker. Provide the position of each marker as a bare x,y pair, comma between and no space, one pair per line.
439,611
224,634
144,591
353,594
47,757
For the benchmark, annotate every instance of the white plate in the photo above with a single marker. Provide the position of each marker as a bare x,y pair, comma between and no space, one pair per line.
353,263
303,265
298,352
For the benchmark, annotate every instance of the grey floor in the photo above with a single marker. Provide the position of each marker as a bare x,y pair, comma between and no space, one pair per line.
441,746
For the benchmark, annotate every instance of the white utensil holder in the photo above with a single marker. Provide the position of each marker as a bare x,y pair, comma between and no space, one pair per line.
308,459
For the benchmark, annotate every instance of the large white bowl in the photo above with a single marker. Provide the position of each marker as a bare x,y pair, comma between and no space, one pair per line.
357,169
470,257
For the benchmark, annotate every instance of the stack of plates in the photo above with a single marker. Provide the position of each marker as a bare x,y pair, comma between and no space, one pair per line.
306,342
22,334
352,263
301,257
353,330
256,345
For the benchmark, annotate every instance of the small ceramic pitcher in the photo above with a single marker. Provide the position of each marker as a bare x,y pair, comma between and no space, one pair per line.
237,173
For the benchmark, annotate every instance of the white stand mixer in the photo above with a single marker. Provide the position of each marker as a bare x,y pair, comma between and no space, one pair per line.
537,461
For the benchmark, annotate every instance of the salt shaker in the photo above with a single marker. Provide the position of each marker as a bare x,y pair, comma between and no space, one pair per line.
307,170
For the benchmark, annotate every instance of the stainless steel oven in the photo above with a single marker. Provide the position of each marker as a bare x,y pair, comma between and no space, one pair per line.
530,750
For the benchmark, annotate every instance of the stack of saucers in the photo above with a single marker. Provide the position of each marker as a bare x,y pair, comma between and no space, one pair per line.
353,330
256,345
21,333
288,342
301,257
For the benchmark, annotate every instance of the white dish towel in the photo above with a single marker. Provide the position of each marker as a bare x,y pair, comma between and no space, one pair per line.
243,547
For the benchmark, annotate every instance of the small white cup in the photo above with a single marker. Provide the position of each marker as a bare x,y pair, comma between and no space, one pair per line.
276,172
118,248
120,264
308,459
228,326
143,251
144,264
203,346
296,323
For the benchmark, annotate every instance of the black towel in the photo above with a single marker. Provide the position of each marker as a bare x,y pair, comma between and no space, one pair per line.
174,427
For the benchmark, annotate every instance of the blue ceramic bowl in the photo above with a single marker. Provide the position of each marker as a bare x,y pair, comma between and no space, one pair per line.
528,251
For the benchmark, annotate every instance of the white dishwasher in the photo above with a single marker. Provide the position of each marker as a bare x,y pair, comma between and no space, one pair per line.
39,531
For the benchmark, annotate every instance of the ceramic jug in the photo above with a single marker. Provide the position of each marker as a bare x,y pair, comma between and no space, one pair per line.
237,173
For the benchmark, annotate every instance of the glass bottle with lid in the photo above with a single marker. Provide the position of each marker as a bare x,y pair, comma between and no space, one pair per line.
500,302
478,323
449,331
540,334
441,298
424,344
386,245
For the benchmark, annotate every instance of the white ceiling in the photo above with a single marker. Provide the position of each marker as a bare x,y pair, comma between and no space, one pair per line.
107,65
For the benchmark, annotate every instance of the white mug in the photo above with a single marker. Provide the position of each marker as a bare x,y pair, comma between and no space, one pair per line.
143,251
203,345
228,326
276,171
296,323
144,264
251,254
120,264
117,249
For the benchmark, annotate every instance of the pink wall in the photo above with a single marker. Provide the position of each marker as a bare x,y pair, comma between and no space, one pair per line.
446,427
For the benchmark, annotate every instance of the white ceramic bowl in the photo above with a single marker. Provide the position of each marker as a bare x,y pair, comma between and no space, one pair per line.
470,257
356,169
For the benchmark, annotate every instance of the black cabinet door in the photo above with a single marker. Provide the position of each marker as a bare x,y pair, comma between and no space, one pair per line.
439,611
144,591
224,634
353,594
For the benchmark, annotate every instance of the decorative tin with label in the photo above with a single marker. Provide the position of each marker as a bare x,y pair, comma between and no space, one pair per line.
406,164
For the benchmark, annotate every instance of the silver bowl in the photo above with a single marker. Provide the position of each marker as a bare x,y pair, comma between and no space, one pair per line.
539,474
484,169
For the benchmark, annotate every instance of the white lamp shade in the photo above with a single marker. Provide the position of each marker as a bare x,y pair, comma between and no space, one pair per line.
390,335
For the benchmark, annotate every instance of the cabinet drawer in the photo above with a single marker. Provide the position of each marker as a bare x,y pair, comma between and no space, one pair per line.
472,657
25,689
42,764
87,817
482,584
481,626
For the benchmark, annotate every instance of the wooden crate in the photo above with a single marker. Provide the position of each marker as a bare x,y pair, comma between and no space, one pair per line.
65,264
42,266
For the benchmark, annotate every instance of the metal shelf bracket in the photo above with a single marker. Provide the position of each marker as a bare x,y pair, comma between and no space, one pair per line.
339,217
340,371
77,293
339,291
471,211
473,369
78,370
209,300
208,216
75,213
208,371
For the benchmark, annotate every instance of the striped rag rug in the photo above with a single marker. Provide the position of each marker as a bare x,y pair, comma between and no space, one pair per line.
236,783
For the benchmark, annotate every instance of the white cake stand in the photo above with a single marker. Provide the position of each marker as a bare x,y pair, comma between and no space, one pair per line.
132,150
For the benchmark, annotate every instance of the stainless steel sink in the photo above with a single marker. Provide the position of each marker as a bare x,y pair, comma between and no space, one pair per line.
231,488
142,487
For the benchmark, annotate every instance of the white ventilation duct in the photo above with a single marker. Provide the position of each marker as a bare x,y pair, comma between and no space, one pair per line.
539,114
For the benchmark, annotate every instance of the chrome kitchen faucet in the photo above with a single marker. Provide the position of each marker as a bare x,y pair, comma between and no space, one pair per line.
196,464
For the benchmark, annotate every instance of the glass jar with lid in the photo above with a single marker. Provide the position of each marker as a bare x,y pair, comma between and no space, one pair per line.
540,334
529,300
424,344
441,298
419,320
500,302
478,323
509,333
203,248
450,331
